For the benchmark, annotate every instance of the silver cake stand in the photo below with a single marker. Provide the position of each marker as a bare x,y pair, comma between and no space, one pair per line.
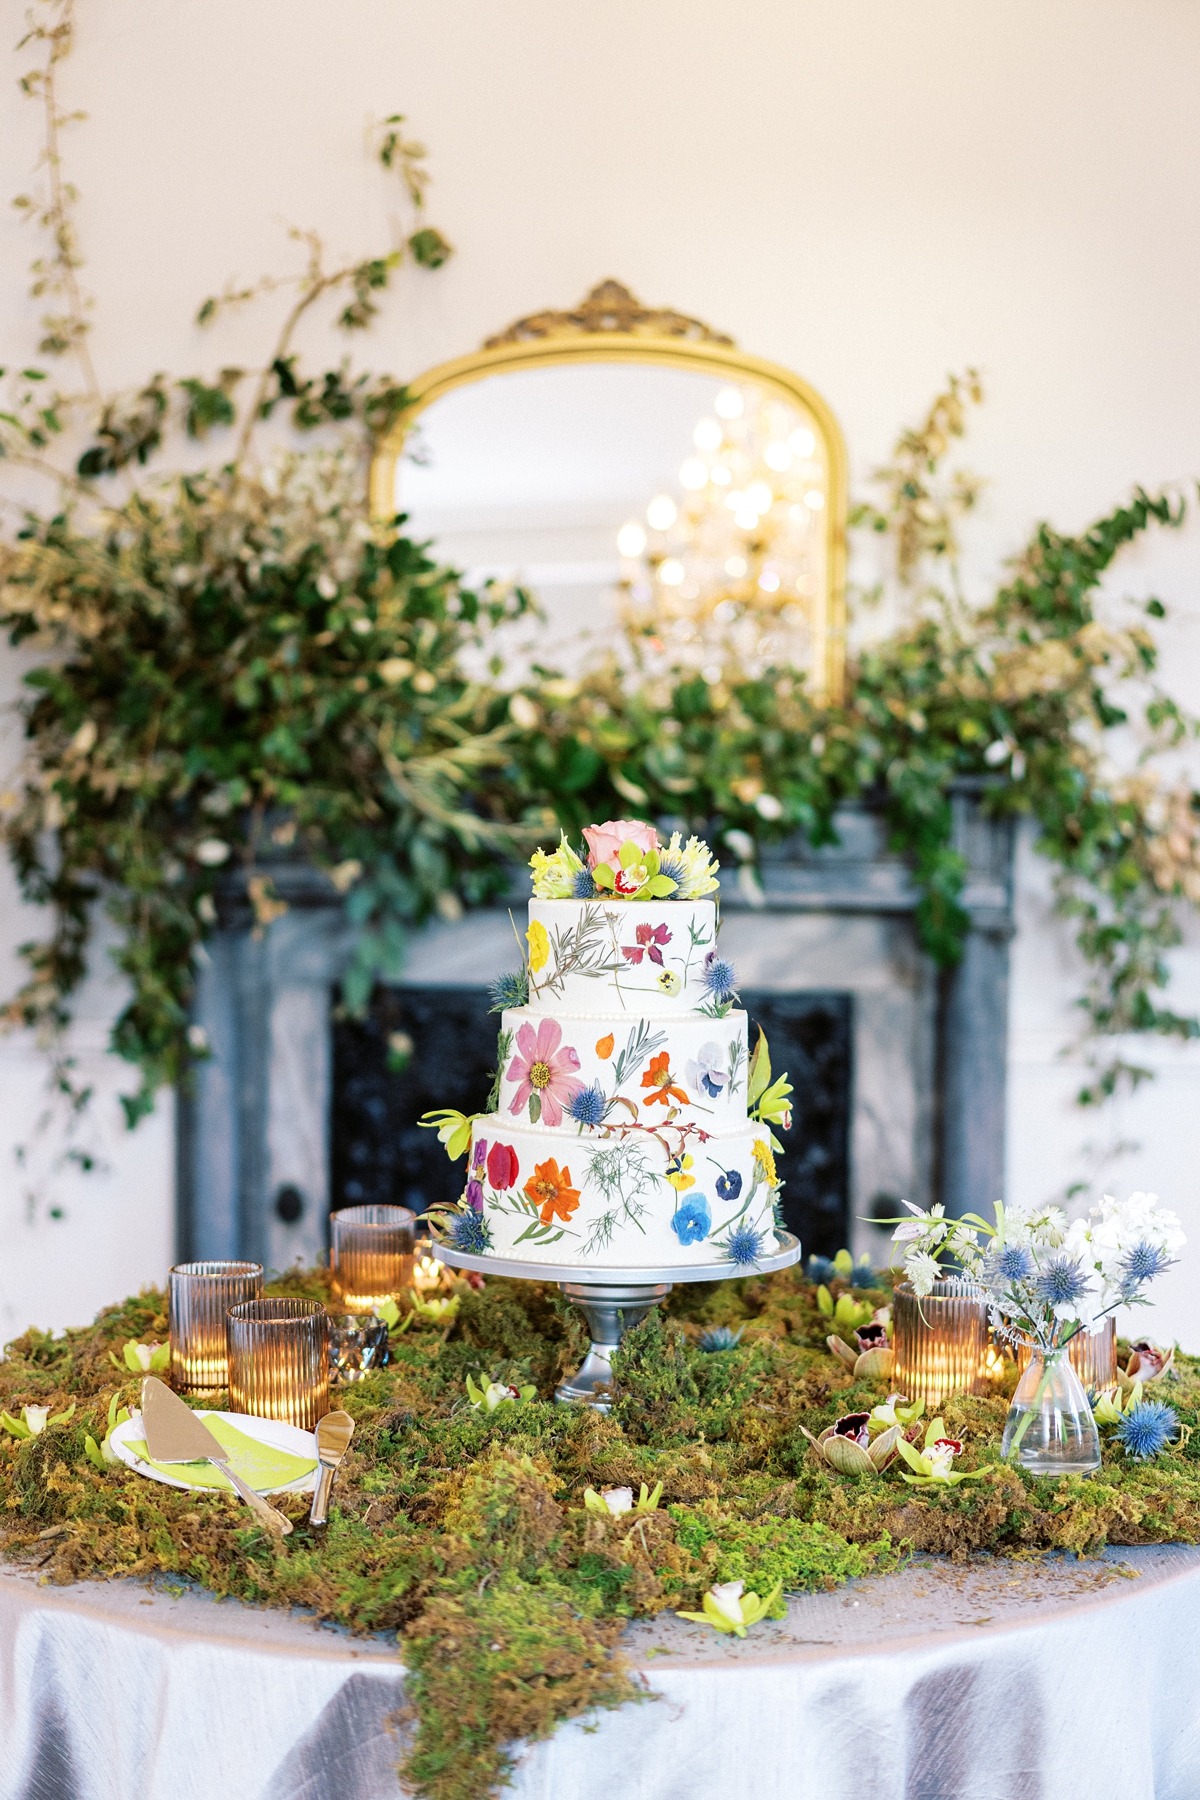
613,1300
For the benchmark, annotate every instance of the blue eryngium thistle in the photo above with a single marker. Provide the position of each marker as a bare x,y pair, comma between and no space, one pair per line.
589,1105
718,978
718,1337
1147,1428
585,887
472,1233
1062,1282
743,1244
509,990
1142,1264
1011,1263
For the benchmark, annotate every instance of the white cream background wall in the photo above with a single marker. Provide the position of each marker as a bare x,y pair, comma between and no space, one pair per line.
873,194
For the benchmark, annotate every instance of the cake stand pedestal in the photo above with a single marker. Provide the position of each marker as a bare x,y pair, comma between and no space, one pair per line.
613,1300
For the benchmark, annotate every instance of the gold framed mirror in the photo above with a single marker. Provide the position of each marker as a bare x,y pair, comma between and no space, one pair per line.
651,483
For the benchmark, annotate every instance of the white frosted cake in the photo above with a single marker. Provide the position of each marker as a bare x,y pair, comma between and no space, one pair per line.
621,1134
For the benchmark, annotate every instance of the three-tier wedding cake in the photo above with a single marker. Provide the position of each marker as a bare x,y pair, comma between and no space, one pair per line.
629,1125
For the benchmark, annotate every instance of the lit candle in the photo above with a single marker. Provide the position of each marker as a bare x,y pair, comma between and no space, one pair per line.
939,1341
200,1294
372,1255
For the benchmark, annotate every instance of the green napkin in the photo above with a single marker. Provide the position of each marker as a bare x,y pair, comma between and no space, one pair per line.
261,1467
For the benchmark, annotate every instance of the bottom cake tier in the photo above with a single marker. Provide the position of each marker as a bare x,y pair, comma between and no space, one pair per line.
619,1197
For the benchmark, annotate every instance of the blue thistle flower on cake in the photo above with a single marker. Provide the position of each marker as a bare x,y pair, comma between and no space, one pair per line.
1147,1428
509,990
743,1245
718,979
589,1106
583,887
692,1220
718,1337
471,1232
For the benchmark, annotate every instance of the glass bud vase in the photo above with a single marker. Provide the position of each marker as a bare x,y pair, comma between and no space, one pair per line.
1050,1429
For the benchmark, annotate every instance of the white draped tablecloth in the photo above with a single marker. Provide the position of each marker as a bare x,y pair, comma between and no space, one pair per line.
1053,1680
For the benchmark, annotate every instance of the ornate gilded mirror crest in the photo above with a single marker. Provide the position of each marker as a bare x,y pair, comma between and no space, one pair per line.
666,496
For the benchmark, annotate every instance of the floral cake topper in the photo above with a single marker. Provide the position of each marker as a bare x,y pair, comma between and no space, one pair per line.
625,859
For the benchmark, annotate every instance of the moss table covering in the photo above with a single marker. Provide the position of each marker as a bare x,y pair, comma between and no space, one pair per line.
1061,1680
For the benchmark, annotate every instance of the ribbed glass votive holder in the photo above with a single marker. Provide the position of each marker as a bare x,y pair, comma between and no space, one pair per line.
373,1255
279,1360
939,1341
200,1294
1093,1355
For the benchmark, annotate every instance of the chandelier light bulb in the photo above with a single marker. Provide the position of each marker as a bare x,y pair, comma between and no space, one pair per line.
736,567
746,521
693,474
671,572
814,499
661,513
768,581
802,441
631,539
720,475
777,457
735,500
708,435
759,496
729,403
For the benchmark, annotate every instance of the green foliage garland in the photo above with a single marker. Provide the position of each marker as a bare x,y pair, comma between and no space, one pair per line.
465,1533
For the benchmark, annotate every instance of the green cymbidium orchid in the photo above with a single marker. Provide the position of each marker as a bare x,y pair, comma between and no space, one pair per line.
141,1359
489,1395
932,1466
453,1129
389,1312
614,1503
846,1312
33,1420
442,1309
728,1607
636,876
767,1100
1112,1402
102,1453
897,1409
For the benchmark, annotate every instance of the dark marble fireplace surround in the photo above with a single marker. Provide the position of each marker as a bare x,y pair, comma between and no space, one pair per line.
899,1070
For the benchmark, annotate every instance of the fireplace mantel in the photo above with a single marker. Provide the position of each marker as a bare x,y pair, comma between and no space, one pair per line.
929,1047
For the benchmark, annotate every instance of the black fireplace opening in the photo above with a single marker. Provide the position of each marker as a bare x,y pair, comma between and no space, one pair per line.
420,1048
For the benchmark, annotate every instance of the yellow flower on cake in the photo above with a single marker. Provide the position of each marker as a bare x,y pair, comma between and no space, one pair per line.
538,940
678,1173
766,1162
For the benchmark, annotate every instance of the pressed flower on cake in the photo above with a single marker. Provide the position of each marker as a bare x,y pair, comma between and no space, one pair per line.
650,940
659,1079
543,1068
550,1190
692,1221
538,939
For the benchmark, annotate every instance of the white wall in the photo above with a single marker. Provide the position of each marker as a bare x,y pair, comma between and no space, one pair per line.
871,193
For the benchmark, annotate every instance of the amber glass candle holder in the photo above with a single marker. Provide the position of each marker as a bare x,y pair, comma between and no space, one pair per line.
1093,1354
940,1341
200,1295
372,1256
279,1360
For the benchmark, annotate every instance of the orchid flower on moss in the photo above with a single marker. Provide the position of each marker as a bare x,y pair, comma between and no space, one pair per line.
440,1309
141,1359
614,1503
33,1420
729,1608
897,1409
846,1311
487,1396
1112,1403
848,1446
389,1312
933,1466
102,1453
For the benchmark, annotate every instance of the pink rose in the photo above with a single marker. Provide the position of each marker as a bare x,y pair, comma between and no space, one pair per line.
604,841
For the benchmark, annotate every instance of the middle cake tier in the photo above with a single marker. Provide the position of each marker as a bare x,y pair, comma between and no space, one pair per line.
571,1071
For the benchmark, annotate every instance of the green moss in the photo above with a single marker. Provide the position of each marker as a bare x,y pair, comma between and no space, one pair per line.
464,1533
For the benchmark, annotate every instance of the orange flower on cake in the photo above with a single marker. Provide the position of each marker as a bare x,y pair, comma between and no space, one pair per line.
543,1069
550,1190
659,1079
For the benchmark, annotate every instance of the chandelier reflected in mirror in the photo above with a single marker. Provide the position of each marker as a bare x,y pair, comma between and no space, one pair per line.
666,497
725,574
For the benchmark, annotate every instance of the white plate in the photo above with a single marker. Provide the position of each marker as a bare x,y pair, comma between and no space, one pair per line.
274,1432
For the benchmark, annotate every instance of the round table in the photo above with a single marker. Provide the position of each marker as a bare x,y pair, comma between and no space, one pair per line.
993,1680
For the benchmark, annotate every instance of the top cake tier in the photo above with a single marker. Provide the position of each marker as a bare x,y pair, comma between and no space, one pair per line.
605,956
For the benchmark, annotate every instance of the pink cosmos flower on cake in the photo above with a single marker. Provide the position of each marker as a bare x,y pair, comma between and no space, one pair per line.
543,1068
604,841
